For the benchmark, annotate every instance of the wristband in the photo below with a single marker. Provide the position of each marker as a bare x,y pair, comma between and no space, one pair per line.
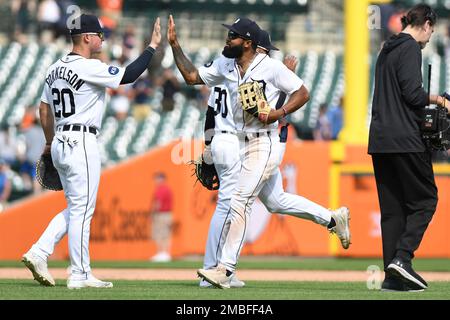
284,110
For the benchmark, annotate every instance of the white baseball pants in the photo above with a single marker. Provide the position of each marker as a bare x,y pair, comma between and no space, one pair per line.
225,151
76,156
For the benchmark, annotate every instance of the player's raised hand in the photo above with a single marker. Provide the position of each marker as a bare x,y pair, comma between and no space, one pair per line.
291,62
156,35
171,32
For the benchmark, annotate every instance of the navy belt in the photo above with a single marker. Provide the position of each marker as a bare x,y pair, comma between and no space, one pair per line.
76,127
222,132
260,134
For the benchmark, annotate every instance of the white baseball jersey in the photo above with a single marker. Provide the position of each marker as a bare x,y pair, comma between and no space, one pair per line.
273,76
75,89
219,100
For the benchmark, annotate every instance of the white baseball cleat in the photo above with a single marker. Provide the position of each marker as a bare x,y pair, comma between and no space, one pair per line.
90,282
38,268
161,257
234,283
342,229
216,276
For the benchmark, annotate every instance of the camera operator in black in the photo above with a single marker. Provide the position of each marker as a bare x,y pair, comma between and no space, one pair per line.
404,175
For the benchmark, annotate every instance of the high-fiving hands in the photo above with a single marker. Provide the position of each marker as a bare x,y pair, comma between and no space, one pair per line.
171,32
156,35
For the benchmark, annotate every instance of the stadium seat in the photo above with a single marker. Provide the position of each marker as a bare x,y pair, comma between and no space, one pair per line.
323,74
120,145
146,134
107,132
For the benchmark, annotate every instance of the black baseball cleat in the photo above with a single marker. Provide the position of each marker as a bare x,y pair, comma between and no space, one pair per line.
404,271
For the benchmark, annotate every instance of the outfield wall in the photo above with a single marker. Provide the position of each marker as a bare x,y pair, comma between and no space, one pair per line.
121,227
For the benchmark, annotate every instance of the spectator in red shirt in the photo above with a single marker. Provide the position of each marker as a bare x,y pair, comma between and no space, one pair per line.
161,218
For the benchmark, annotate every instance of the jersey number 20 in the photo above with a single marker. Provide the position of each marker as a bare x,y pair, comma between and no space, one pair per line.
60,101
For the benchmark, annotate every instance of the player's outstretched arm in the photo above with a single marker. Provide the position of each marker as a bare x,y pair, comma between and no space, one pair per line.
138,66
187,69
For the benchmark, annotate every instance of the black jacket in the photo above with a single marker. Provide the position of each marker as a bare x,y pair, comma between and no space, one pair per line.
398,98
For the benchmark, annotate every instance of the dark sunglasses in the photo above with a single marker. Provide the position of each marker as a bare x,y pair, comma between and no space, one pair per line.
233,35
101,35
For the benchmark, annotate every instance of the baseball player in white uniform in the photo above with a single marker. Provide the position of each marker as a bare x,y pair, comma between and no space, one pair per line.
224,151
71,111
258,138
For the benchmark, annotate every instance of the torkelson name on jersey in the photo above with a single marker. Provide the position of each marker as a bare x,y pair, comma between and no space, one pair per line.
65,74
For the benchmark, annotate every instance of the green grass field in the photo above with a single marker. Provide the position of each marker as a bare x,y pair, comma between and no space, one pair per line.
262,263
189,290
255,290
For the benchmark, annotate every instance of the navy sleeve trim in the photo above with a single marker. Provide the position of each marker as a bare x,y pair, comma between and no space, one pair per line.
210,123
138,66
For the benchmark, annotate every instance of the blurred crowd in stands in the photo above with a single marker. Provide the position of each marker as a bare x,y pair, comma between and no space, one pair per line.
20,148
48,18
21,144
330,122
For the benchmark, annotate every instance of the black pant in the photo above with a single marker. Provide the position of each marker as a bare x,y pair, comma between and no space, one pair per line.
408,198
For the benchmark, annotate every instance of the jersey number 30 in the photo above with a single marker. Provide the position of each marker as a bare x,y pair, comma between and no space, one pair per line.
60,102
221,102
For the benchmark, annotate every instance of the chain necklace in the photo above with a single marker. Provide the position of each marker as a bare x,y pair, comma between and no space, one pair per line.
241,69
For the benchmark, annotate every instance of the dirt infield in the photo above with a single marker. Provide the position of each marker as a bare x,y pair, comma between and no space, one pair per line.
190,274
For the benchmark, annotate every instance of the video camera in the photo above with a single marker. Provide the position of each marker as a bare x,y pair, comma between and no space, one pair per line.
435,127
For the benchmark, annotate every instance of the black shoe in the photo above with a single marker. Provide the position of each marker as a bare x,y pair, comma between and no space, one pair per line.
404,271
392,284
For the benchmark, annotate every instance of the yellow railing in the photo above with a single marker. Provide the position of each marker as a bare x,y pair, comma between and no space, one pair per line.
338,169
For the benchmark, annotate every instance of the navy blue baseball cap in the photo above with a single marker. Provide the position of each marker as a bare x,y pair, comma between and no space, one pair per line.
265,41
245,28
86,23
